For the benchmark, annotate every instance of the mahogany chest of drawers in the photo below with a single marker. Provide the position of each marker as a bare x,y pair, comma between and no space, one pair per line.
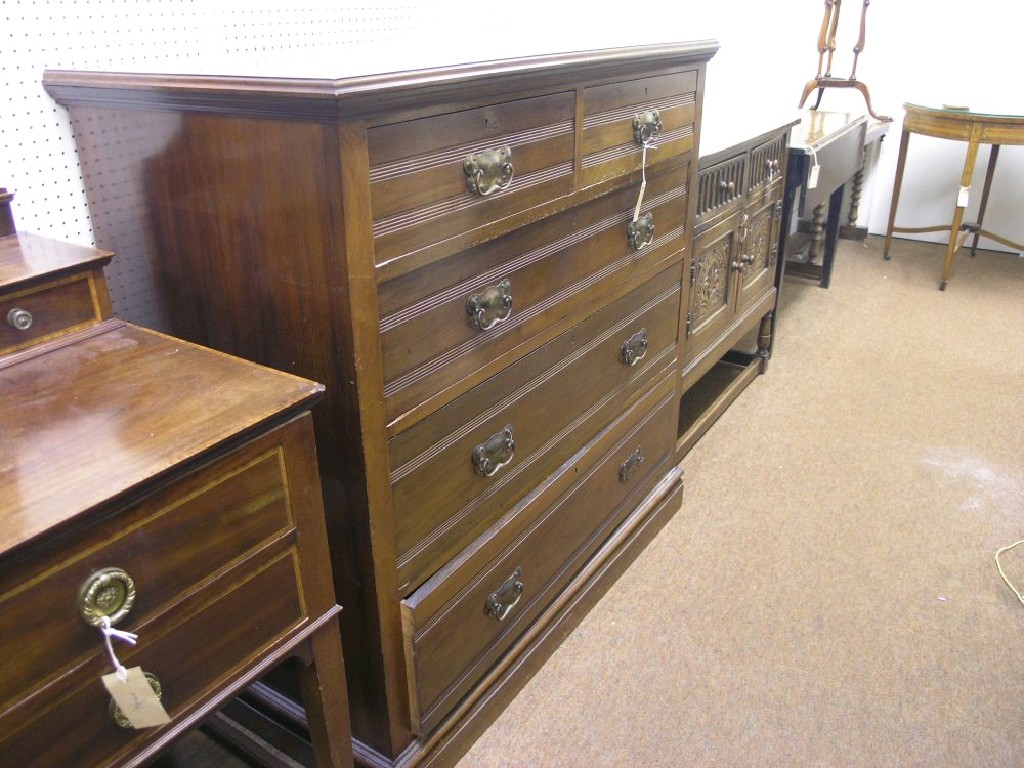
167,488
484,265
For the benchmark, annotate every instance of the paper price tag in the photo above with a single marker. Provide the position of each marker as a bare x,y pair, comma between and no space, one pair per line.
640,200
962,197
812,176
136,699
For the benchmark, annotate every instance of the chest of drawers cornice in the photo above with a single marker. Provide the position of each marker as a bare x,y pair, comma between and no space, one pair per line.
484,265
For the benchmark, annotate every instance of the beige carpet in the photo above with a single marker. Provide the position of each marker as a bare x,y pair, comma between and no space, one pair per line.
828,595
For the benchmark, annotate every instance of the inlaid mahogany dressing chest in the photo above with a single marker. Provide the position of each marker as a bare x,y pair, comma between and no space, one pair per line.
484,264
167,489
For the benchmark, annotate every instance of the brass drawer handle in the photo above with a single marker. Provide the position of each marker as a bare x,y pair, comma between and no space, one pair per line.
491,307
629,466
634,348
118,715
640,232
494,452
489,171
646,127
500,602
19,319
108,592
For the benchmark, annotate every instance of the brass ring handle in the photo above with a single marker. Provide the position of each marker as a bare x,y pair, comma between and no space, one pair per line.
634,348
490,307
629,466
504,599
19,319
489,171
108,592
118,715
646,126
494,452
640,232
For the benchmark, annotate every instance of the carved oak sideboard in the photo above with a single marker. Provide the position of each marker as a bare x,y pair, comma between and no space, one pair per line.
484,265
734,273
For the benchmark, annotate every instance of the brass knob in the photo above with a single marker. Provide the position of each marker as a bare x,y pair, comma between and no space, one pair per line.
118,715
108,592
728,186
744,263
19,319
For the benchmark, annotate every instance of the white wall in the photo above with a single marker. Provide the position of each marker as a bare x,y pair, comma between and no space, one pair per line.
932,50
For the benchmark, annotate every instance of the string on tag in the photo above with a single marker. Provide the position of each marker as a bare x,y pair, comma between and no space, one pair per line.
643,178
108,633
1002,573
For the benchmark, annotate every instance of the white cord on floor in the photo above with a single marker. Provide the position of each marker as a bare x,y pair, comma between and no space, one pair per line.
1002,573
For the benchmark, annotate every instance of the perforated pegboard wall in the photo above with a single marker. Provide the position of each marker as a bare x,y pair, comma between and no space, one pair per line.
38,161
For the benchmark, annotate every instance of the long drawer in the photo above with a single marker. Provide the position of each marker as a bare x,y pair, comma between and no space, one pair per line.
206,571
447,328
437,177
457,471
459,623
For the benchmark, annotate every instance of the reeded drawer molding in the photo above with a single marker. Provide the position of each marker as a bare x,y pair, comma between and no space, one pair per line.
583,516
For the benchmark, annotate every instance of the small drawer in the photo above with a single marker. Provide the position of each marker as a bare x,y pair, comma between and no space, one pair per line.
463,467
619,117
438,177
44,311
447,328
189,654
459,624
170,546
767,163
719,188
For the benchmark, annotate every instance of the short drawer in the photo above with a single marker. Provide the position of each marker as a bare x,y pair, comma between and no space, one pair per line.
437,177
618,118
767,162
459,624
47,310
720,188
171,546
446,328
463,467
189,654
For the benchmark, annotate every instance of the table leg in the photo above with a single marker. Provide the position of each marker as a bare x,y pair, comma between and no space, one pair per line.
325,699
835,204
958,212
816,245
901,163
993,156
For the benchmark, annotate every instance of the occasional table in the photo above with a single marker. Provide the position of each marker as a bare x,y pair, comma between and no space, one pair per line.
826,150
960,124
